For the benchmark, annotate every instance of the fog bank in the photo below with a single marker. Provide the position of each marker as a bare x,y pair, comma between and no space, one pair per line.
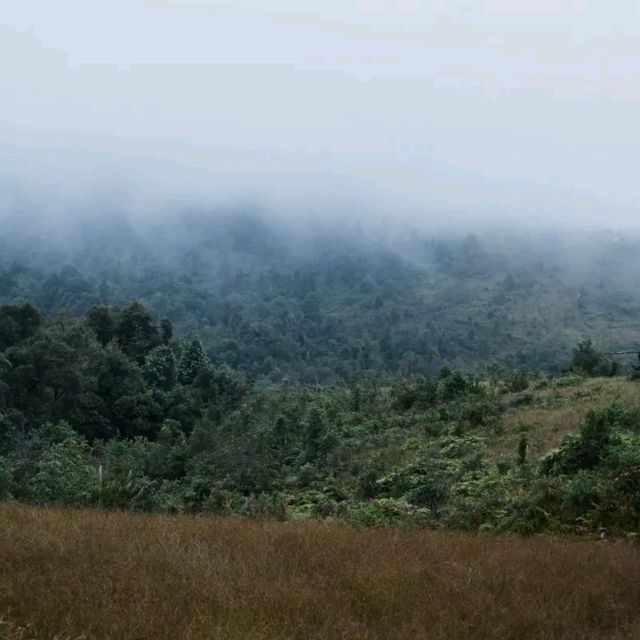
420,112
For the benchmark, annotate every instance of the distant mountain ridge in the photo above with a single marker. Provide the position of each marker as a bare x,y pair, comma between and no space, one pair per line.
330,304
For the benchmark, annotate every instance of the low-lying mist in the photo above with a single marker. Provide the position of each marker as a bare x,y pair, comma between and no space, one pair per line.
78,207
325,294
395,116
75,178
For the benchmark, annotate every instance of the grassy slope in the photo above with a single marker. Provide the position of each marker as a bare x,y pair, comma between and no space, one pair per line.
71,575
553,412
557,411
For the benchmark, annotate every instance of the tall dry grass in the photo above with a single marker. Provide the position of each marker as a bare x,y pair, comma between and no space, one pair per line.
80,575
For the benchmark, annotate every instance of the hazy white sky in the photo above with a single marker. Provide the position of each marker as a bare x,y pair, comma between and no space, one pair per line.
519,107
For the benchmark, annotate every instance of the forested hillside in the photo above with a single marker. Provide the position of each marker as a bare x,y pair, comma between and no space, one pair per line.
319,320
332,303
112,410
240,366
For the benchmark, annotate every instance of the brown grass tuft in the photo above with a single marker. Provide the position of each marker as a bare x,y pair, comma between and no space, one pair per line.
69,575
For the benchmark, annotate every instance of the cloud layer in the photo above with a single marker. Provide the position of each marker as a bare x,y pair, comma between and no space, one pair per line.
491,109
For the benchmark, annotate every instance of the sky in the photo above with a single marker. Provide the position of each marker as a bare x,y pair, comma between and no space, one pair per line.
523,109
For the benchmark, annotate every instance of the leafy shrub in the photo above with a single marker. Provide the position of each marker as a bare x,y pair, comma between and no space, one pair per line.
387,512
6,479
589,447
62,474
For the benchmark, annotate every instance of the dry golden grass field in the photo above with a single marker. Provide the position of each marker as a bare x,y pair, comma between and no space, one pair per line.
72,575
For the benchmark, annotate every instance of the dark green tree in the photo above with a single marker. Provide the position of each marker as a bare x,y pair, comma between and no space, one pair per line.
102,322
166,330
193,361
587,359
159,368
135,331
17,323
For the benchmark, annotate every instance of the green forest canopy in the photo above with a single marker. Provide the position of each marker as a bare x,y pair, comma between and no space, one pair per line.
205,395
329,305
